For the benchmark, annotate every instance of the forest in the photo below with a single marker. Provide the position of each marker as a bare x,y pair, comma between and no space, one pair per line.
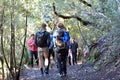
95,24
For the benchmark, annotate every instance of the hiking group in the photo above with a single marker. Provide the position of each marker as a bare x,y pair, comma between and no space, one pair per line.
56,43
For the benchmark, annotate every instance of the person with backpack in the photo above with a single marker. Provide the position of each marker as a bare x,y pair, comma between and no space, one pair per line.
60,39
51,50
33,49
42,40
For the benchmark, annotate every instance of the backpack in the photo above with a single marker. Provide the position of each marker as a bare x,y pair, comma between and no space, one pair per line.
66,36
60,41
41,39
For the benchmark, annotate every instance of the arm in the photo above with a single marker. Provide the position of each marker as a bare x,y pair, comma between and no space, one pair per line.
30,42
54,36
51,42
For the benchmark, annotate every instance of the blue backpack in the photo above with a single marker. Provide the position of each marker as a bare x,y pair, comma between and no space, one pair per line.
66,36
62,39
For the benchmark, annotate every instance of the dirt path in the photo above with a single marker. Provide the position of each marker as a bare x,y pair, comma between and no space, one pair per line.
76,72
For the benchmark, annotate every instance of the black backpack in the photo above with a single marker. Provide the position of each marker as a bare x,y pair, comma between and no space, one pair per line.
41,39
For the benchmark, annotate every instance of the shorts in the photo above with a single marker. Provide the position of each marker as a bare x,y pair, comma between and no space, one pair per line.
43,51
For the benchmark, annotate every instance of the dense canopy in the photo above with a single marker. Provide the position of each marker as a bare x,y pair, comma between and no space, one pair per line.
95,25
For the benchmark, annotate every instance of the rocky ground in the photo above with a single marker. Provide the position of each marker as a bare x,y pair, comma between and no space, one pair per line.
75,72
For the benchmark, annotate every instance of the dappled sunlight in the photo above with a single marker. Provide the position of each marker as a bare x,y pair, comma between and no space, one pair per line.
93,23
80,62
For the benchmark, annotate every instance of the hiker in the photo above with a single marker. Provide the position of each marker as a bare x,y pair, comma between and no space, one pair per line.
33,49
42,40
51,50
73,46
69,55
60,39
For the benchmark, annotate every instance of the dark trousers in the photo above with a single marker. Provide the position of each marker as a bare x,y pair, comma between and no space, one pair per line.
69,60
33,54
74,58
51,52
61,57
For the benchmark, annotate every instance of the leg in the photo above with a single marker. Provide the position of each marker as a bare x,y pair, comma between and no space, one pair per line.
49,59
73,55
75,58
53,54
69,59
40,55
46,54
41,64
63,62
31,58
36,57
58,58
64,65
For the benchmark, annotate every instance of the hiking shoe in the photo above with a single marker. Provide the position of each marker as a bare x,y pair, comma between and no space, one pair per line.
64,75
32,65
42,71
61,75
46,70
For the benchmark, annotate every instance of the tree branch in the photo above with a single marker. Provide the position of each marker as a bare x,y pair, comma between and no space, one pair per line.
86,3
69,17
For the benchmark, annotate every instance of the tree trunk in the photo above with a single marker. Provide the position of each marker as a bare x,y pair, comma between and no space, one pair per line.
12,46
1,38
12,55
2,61
18,74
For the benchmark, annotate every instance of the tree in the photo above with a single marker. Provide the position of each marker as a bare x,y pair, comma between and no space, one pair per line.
97,19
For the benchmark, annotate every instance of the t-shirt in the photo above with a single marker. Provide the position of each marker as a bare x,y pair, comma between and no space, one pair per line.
73,46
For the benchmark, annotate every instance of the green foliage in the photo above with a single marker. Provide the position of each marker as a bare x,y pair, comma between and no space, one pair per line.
94,55
104,14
